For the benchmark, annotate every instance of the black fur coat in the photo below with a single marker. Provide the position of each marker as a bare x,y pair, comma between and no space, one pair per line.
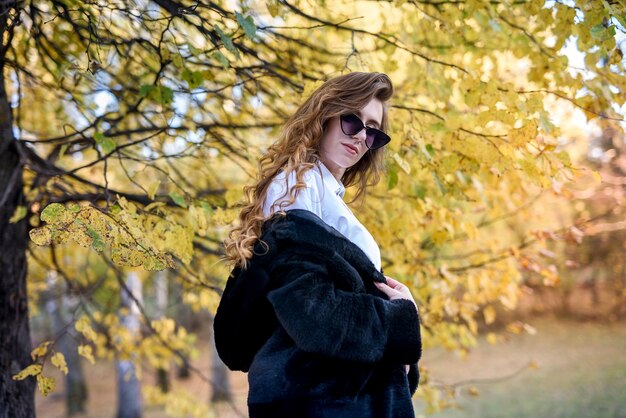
315,335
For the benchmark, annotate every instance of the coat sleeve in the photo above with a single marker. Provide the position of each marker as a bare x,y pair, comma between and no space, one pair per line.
355,326
413,378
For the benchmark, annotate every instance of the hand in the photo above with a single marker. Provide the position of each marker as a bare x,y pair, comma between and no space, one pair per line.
395,290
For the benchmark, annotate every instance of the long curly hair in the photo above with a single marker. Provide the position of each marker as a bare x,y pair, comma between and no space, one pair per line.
297,149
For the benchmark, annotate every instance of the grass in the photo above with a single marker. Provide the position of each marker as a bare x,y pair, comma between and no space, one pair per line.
581,373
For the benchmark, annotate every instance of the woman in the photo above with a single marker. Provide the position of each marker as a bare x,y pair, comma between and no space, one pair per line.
307,311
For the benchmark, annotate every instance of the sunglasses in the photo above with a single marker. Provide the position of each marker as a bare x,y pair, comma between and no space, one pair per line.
351,125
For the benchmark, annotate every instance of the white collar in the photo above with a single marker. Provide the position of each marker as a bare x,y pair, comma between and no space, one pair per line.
328,178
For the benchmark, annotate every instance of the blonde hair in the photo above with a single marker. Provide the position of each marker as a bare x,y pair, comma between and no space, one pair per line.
297,149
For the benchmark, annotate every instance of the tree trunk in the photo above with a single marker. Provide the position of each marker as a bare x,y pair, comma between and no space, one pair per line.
183,319
16,397
130,404
220,385
57,305
160,289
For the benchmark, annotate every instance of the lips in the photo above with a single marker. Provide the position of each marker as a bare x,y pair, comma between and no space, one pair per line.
351,148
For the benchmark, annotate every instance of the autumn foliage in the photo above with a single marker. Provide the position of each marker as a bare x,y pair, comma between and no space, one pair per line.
138,126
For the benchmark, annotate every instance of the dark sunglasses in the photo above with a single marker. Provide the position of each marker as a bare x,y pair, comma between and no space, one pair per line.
351,125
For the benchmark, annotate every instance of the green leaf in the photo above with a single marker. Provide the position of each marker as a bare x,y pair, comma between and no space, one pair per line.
193,78
247,23
52,213
106,144
420,191
600,32
97,243
193,50
438,127
206,207
165,95
145,90
221,58
227,41
392,180
178,199
427,150
177,60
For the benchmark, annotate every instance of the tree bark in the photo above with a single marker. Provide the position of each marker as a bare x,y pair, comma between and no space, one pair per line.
161,295
220,385
57,306
16,397
129,404
183,319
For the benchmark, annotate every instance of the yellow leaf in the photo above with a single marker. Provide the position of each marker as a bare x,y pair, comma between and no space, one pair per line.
233,196
40,350
53,213
490,314
41,235
18,215
404,165
272,7
310,87
154,205
58,360
84,327
87,352
515,327
152,189
596,177
439,237
530,329
45,384
32,370
222,217
521,136
492,338
473,391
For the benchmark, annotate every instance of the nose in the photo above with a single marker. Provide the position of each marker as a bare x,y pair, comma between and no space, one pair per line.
360,135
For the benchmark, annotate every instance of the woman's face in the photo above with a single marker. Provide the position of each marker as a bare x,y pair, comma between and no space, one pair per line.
339,151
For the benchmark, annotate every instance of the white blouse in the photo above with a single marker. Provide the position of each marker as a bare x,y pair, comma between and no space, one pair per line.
323,195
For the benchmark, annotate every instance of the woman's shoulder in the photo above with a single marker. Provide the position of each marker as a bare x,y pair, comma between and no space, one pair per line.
307,197
281,181
309,175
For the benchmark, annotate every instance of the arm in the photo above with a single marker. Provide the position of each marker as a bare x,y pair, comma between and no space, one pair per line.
353,326
413,377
